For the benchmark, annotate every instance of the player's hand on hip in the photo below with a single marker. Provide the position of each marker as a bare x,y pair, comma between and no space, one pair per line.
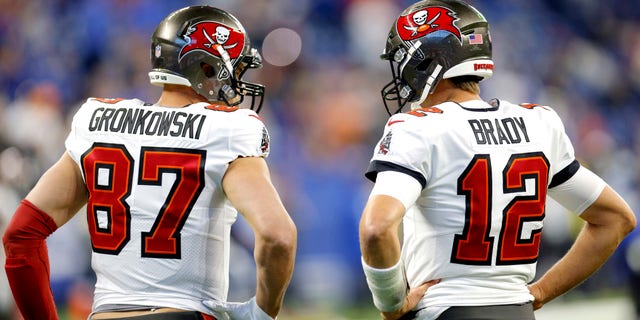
413,297
537,294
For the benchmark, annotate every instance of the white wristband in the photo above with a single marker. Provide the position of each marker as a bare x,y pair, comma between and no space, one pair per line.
388,286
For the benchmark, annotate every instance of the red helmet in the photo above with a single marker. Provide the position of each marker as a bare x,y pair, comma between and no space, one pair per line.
208,50
433,40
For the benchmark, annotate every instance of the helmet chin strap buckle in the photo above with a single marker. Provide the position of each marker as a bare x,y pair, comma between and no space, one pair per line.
405,92
399,55
228,92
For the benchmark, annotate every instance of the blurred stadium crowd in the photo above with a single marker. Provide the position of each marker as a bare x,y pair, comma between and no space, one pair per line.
323,108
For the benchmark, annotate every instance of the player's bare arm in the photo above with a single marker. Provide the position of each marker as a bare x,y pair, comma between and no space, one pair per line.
275,232
60,192
608,220
57,196
380,245
379,240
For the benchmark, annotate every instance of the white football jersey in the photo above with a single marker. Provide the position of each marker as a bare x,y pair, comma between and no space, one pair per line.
485,169
158,218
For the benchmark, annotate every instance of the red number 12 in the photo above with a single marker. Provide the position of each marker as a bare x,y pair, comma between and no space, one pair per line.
475,246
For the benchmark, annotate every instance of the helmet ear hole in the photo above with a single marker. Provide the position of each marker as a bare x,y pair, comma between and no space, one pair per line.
208,70
424,64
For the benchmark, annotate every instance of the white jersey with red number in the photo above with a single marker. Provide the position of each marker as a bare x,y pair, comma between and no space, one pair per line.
485,169
157,215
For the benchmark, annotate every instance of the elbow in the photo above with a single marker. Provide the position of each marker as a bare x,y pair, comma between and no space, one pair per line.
630,223
282,239
380,224
8,238
287,241
625,223
15,236
288,237
374,234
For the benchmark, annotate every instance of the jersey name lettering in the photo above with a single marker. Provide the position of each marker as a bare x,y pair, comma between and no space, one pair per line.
499,131
145,122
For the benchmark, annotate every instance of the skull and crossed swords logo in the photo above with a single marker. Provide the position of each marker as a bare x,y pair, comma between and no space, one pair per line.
427,20
420,19
221,35
213,37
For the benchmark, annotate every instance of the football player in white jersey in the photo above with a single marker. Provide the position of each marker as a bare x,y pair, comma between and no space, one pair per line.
453,224
162,184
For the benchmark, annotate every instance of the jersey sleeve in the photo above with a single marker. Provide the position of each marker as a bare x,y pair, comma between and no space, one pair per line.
571,185
397,185
250,138
75,137
71,140
579,192
563,163
400,149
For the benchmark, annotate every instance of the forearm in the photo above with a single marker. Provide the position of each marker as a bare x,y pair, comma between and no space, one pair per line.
275,261
381,251
594,245
27,261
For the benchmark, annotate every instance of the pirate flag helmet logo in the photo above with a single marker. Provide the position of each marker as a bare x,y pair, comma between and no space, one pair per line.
427,20
209,36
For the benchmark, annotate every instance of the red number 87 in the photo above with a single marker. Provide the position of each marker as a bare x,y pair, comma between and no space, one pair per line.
108,172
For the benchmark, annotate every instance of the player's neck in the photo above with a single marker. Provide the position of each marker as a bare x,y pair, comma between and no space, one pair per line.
449,93
178,96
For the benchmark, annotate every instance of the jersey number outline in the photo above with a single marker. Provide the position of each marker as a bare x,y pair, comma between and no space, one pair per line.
475,246
108,172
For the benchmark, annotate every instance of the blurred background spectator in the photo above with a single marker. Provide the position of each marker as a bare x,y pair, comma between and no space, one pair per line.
323,108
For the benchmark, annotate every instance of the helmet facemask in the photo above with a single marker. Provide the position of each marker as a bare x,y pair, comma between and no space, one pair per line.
414,76
233,90
397,89
245,88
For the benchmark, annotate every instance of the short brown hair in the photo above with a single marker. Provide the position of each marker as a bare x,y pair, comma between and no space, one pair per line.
467,83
